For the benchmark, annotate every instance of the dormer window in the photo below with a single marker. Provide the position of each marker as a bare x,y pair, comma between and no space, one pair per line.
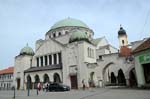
59,33
100,57
66,32
54,35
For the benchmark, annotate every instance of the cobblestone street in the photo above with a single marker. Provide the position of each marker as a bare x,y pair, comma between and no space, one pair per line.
100,93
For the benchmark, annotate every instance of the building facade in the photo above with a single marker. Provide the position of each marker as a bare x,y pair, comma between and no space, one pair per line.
6,78
142,63
70,55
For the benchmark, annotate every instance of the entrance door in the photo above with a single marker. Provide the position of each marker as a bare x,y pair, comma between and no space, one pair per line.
147,72
18,83
73,79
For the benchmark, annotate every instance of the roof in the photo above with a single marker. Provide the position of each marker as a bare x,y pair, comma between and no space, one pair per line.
69,22
27,50
51,67
78,36
125,51
145,45
121,31
96,41
9,70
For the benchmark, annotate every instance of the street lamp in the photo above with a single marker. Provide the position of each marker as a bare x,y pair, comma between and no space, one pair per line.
13,88
28,86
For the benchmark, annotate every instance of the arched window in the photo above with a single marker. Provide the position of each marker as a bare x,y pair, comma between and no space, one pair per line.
54,35
56,78
66,32
121,78
29,82
113,78
123,42
46,78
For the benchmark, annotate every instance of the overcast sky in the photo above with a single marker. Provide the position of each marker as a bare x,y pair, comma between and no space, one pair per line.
25,21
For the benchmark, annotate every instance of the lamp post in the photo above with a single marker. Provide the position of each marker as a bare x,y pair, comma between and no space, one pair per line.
28,86
14,95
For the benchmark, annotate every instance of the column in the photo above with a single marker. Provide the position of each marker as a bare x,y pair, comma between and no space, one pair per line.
48,60
43,60
39,62
52,56
57,56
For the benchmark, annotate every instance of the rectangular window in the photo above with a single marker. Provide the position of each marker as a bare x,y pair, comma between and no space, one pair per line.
59,57
37,62
45,60
41,58
50,59
55,59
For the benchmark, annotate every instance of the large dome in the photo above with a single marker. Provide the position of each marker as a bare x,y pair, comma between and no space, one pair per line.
27,51
69,22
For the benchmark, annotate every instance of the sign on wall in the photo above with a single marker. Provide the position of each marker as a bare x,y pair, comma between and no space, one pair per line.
144,58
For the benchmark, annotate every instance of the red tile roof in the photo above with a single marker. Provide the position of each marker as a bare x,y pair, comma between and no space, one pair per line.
125,51
145,45
9,70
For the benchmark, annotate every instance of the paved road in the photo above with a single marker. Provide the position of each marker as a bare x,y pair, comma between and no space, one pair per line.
100,93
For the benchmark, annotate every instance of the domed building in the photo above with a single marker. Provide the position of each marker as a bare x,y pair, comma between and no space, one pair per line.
69,54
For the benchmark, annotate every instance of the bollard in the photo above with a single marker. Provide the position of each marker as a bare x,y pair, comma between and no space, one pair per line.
37,91
14,93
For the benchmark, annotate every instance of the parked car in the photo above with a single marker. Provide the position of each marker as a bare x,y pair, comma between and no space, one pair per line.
58,87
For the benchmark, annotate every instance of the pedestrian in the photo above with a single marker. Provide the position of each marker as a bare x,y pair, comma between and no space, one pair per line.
39,86
83,84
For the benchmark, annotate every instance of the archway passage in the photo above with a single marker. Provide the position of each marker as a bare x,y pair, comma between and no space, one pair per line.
37,80
132,78
46,78
57,78
113,78
91,80
29,82
18,83
121,78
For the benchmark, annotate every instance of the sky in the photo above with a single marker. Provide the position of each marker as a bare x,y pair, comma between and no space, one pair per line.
25,21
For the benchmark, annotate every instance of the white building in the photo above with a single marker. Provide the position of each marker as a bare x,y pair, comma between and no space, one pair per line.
69,54
6,78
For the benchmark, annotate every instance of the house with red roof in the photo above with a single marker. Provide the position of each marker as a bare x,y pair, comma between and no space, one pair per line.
142,63
6,78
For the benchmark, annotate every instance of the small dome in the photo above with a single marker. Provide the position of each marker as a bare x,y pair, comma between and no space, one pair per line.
78,36
121,31
69,22
27,51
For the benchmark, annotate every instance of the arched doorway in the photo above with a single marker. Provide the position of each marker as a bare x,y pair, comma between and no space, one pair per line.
56,78
113,78
91,80
18,83
29,82
121,78
132,78
37,80
106,78
46,78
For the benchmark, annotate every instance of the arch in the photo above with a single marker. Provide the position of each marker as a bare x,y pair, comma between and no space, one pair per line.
104,70
91,80
56,78
29,82
37,80
121,78
132,78
113,78
46,78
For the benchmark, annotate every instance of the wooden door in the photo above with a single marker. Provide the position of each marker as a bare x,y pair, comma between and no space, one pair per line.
73,80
